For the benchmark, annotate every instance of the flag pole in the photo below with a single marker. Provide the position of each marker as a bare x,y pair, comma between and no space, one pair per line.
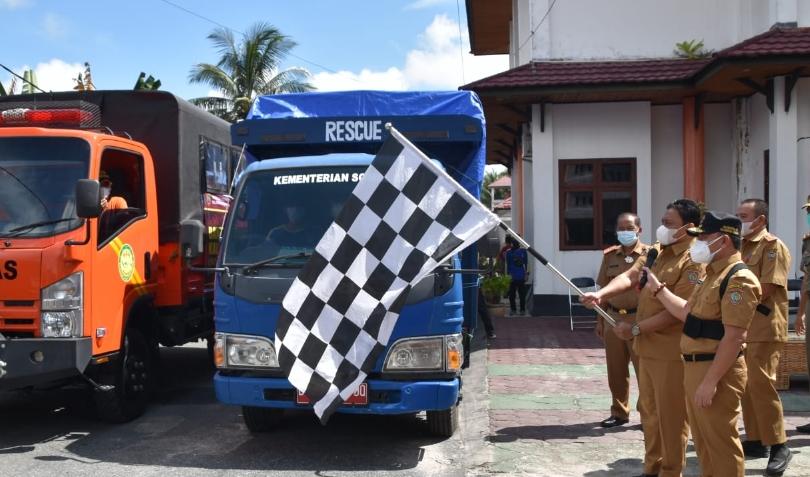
551,267
472,200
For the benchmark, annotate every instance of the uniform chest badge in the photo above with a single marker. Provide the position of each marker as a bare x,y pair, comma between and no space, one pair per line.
735,297
693,277
628,259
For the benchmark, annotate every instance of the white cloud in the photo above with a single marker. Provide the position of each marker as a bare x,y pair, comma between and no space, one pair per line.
55,75
14,4
54,26
435,64
421,4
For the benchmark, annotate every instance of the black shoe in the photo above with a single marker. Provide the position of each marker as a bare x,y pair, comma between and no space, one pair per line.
804,428
754,449
648,475
613,421
491,335
780,457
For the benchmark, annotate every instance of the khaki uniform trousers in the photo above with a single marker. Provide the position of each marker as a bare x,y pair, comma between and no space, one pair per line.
618,356
761,406
663,416
714,430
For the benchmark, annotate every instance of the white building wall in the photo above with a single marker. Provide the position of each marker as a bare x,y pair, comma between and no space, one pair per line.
614,28
803,177
719,167
667,163
583,131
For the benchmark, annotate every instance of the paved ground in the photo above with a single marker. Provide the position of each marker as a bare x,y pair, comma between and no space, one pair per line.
187,432
548,392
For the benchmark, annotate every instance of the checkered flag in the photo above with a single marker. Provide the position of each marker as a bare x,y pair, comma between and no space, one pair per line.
404,217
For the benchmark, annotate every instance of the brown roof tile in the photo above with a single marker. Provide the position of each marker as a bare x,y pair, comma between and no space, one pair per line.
776,42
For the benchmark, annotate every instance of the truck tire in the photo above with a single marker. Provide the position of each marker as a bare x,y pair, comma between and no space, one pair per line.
443,423
132,376
261,419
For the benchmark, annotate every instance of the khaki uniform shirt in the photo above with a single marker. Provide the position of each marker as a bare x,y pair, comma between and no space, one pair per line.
769,259
682,275
736,308
614,263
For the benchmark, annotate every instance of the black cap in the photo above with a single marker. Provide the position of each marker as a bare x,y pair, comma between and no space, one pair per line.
714,222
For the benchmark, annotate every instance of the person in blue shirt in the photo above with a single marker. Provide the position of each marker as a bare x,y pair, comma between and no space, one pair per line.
516,260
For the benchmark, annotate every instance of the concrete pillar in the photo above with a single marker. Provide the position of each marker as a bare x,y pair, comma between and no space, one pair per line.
784,169
545,203
693,151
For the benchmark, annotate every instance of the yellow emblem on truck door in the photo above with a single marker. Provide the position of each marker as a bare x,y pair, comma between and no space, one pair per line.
126,263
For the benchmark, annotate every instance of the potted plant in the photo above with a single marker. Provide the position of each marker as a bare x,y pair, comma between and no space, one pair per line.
495,287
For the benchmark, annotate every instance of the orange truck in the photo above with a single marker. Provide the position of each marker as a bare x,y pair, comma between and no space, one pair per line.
93,187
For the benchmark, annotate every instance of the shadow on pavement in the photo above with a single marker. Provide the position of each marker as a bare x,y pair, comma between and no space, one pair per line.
556,431
187,427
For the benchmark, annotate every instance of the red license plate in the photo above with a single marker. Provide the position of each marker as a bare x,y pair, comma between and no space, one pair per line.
359,398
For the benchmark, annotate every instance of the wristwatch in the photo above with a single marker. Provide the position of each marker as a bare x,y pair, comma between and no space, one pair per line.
635,330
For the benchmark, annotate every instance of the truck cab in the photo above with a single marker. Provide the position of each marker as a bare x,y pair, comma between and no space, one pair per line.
308,152
92,281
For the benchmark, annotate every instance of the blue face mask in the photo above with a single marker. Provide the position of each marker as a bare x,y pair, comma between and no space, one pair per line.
626,237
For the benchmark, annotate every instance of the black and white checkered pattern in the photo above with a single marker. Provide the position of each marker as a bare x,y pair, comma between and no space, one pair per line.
403,218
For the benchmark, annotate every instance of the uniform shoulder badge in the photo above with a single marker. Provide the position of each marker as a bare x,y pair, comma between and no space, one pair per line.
735,297
771,254
693,276
610,249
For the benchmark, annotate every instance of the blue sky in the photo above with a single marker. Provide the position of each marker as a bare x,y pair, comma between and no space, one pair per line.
379,44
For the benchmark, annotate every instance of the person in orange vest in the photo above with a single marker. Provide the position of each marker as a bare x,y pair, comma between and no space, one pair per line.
109,202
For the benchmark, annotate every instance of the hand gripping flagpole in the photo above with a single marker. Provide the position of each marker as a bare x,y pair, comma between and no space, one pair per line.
466,194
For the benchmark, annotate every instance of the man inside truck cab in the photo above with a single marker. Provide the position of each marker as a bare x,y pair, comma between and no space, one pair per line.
296,235
109,202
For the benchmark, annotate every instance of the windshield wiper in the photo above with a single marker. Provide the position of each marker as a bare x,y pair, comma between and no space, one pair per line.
271,261
19,230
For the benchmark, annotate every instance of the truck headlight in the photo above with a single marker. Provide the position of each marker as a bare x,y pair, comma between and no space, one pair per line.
240,351
434,353
62,311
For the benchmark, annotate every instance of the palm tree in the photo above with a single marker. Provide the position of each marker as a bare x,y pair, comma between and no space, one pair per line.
246,70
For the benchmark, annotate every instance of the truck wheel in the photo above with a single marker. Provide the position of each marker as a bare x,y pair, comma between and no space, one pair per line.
443,423
261,419
133,380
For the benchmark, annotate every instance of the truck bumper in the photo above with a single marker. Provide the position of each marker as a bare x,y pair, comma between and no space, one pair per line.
385,397
37,361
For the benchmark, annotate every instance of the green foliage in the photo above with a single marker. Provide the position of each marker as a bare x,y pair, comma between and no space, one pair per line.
145,83
486,192
29,85
2,91
691,49
495,286
247,69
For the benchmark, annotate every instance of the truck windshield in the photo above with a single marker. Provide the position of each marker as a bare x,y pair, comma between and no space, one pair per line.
37,182
285,212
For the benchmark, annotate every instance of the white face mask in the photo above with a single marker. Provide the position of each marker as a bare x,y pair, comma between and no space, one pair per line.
746,228
665,235
105,192
699,251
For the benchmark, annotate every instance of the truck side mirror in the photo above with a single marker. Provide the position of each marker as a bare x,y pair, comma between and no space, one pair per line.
490,244
192,233
88,200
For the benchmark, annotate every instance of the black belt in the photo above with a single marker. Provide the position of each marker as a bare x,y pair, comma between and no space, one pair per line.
763,309
622,311
695,357
695,327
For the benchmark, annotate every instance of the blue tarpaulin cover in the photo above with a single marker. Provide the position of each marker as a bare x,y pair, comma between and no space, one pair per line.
467,167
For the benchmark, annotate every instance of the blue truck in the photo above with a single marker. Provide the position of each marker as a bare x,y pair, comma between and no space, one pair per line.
306,153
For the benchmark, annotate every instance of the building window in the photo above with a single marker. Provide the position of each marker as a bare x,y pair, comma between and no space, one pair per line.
592,195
